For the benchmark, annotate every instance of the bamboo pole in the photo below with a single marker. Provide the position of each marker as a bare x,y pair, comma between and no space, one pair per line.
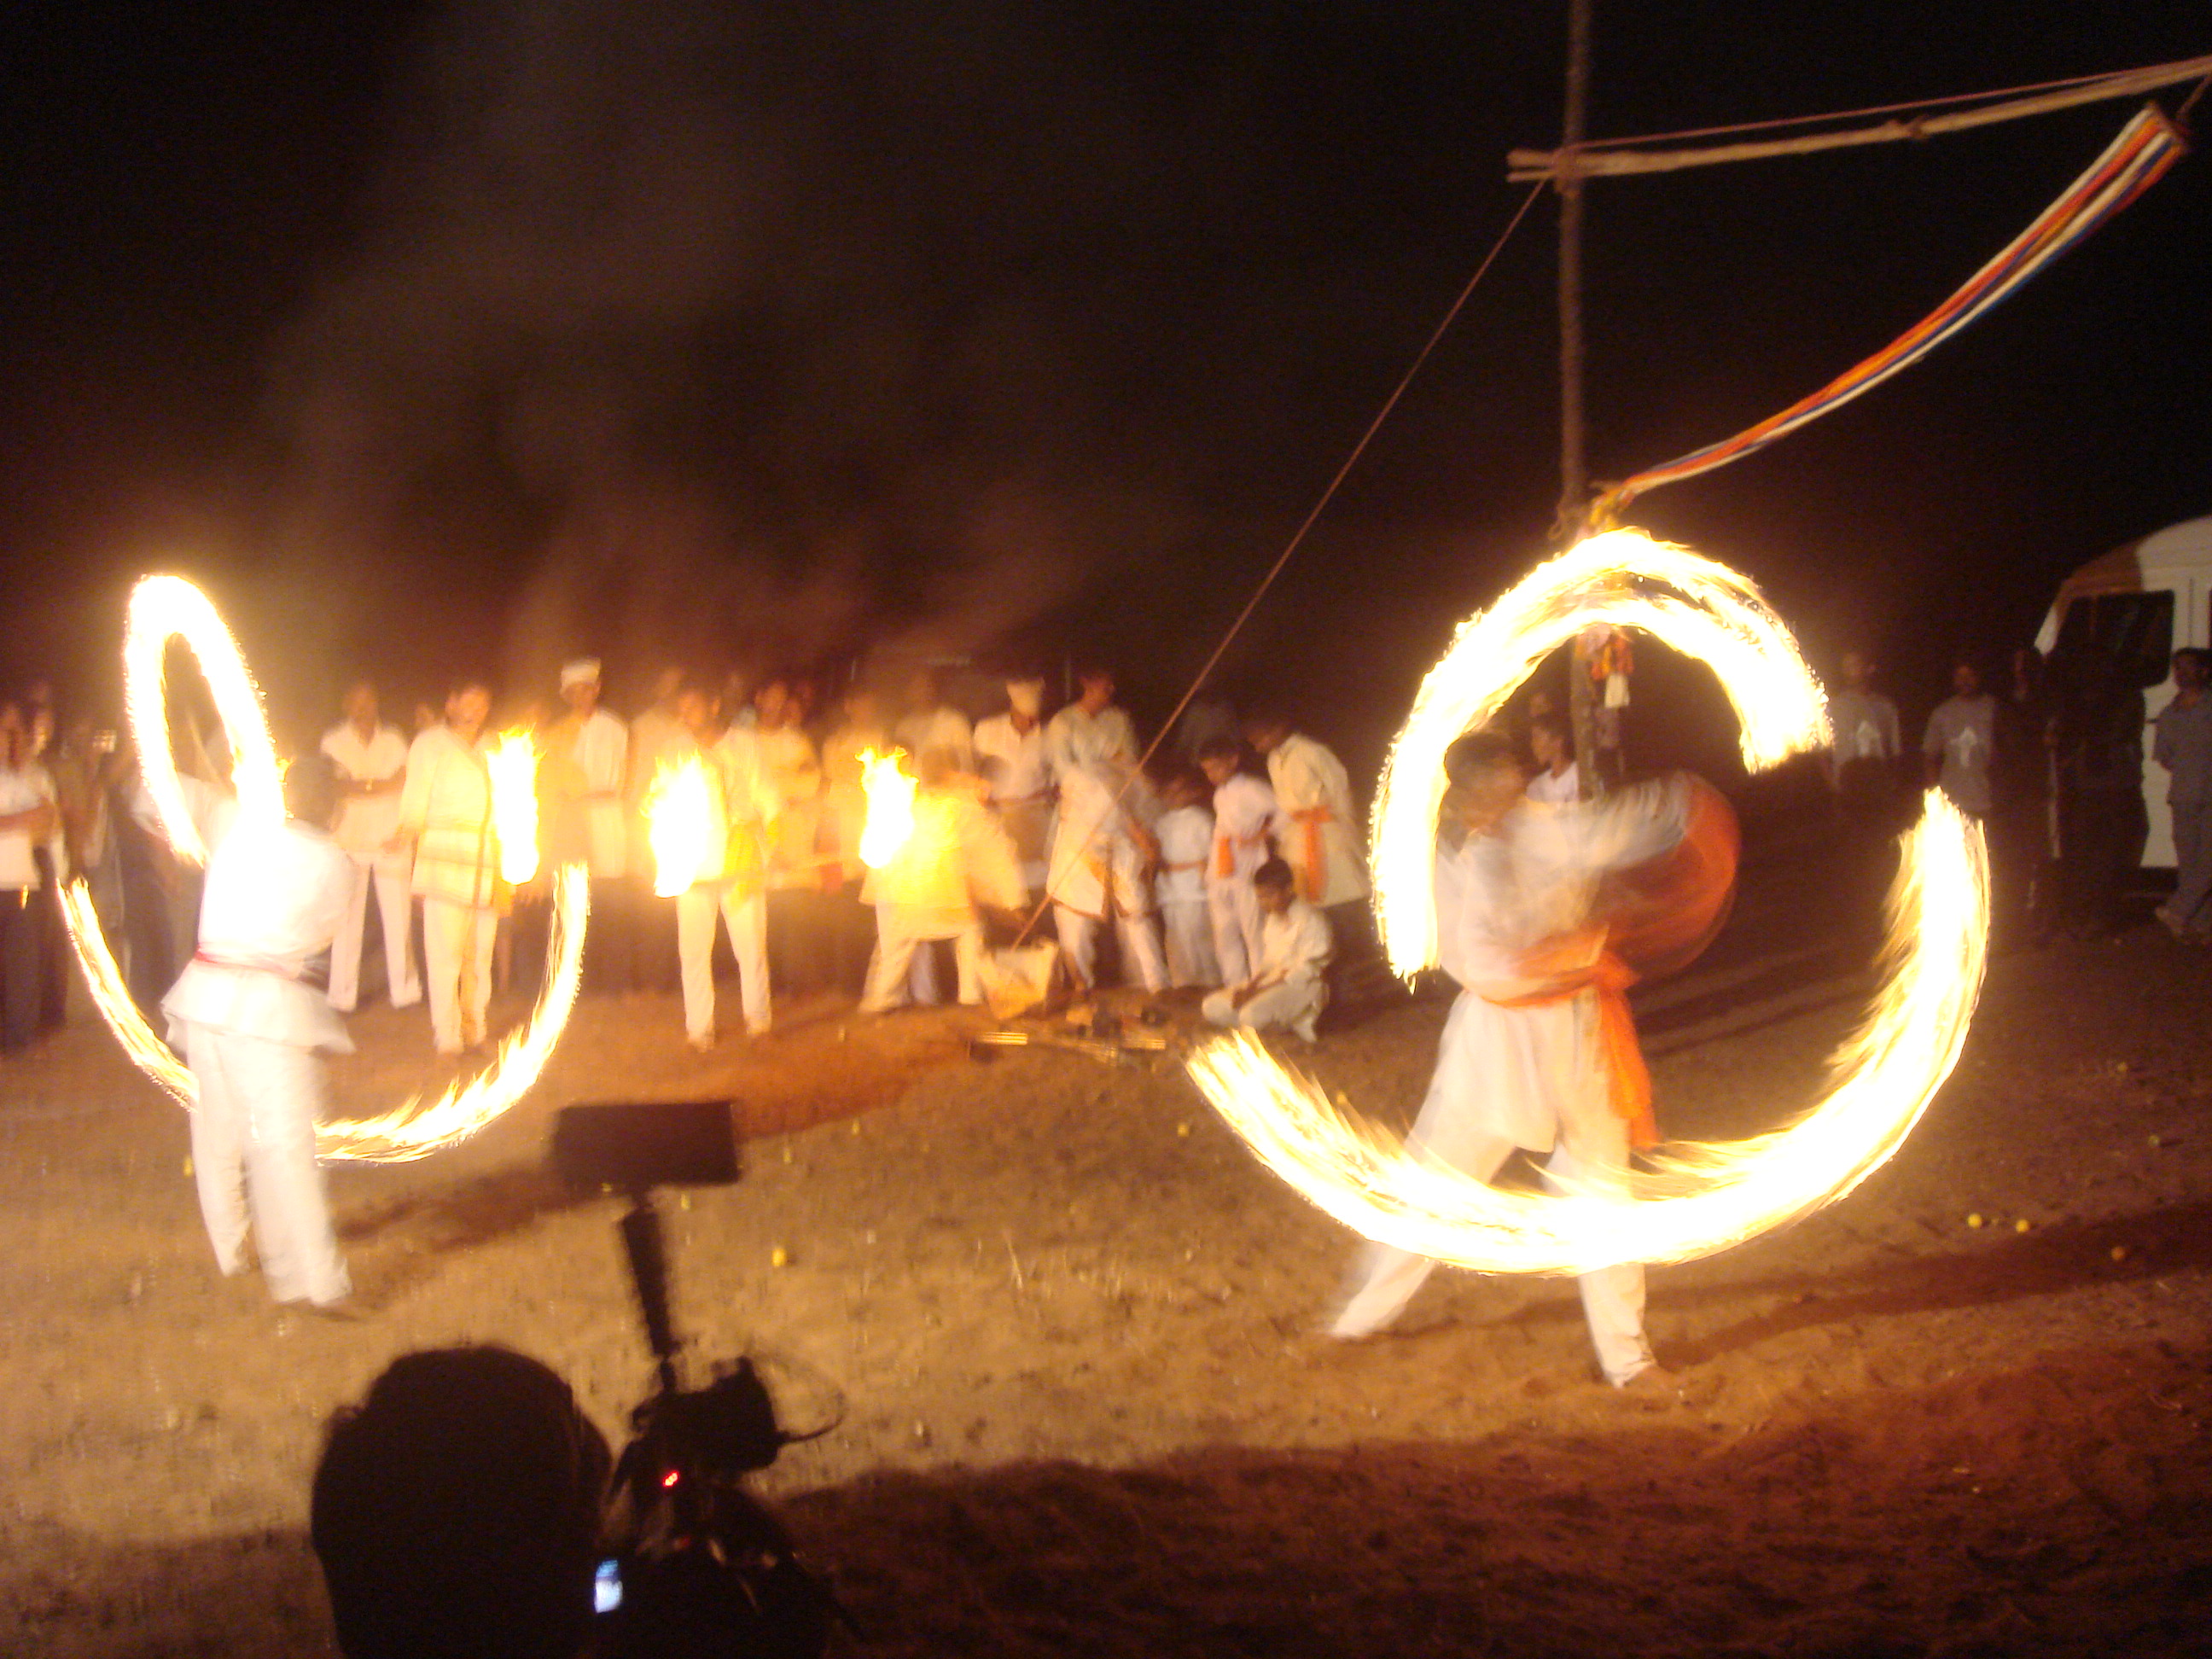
1571,161
1574,470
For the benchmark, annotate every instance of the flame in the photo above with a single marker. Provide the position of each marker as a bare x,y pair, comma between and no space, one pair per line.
1703,1198
513,762
890,807
163,607
1623,579
104,979
680,811
414,1131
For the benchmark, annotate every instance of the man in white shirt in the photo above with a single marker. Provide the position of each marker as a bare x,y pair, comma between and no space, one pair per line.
1862,766
1010,749
1960,740
586,765
1245,823
1185,831
28,821
444,809
368,763
731,880
252,1028
655,735
798,871
1558,781
1285,988
1103,853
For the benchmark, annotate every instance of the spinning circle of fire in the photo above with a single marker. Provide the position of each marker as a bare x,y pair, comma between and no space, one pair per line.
163,608
1697,1199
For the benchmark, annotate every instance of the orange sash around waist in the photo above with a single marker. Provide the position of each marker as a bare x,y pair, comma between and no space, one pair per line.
1313,852
1628,1081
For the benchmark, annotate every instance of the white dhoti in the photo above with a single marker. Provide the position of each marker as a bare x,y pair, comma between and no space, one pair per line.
402,984
898,952
1138,937
746,919
457,941
1233,905
1187,930
253,1145
1507,1077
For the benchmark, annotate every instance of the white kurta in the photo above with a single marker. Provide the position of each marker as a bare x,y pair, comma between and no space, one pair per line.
251,1029
1320,831
365,828
729,883
1244,825
1016,767
1531,1077
1295,948
943,728
600,748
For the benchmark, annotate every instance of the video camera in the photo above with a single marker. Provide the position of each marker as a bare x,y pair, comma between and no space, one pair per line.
692,1563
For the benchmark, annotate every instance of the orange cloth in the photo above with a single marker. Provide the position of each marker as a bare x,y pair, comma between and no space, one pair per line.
1628,1081
1313,856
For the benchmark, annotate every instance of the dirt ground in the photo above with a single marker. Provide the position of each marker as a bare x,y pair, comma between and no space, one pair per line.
1069,1323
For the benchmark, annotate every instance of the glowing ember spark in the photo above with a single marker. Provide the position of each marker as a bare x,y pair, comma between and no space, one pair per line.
166,607
1704,1198
890,807
513,762
163,608
679,811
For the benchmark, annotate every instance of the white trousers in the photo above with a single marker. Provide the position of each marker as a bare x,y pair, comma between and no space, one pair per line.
1290,1004
253,1151
746,919
1188,934
1613,1297
402,983
1140,937
1234,904
897,949
457,941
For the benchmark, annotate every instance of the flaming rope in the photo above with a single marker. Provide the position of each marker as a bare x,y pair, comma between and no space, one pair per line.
166,607
1704,1197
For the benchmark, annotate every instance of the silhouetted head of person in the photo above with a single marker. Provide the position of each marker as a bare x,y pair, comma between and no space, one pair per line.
456,1511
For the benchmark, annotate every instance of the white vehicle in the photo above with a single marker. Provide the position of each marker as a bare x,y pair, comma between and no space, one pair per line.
2139,604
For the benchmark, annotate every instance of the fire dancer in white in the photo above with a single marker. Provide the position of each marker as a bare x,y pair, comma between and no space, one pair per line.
252,1028
1186,838
1244,825
956,855
369,761
730,878
1285,988
1538,1050
445,809
1102,852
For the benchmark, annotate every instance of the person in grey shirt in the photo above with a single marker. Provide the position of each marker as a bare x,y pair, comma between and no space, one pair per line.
2184,747
1961,737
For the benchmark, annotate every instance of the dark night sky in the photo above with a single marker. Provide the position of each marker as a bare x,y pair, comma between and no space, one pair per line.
478,331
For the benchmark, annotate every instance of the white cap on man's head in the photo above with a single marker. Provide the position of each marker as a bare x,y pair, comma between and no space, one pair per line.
580,670
1027,696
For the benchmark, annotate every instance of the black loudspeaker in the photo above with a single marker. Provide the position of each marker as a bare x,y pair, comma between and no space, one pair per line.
636,1144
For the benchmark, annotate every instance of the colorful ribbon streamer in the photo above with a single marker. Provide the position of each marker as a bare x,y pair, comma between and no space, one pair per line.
2145,149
